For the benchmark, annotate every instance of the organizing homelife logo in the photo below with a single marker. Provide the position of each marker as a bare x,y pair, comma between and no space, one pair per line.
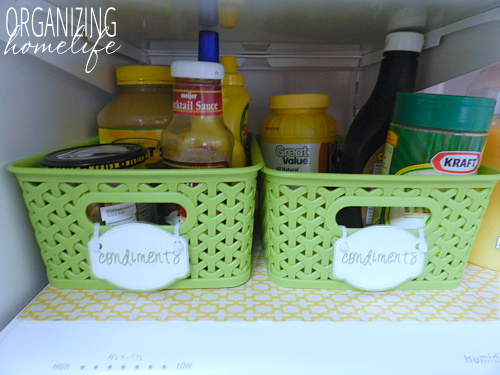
33,30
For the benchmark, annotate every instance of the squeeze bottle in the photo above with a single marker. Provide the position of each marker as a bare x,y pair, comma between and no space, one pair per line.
235,101
486,249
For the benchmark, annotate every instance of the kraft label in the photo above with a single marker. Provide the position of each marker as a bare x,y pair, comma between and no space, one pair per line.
456,162
416,151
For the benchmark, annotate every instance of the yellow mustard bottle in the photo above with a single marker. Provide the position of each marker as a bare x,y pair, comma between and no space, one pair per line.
485,251
299,136
140,111
235,100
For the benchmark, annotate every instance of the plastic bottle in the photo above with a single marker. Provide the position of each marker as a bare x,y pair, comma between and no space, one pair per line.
141,110
234,97
235,101
299,136
365,140
197,136
486,249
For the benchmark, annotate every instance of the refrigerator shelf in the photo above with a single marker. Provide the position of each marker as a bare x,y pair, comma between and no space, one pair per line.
477,299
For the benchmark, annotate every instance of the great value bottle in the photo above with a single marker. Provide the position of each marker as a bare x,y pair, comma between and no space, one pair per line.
365,140
299,136
235,101
141,110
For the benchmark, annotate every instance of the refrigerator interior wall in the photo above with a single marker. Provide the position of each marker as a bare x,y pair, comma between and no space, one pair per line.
282,47
42,108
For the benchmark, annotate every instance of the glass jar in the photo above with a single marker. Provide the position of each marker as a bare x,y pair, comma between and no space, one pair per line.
106,156
141,110
197,137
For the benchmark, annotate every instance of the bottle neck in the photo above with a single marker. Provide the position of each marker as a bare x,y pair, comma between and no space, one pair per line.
398,71
197,81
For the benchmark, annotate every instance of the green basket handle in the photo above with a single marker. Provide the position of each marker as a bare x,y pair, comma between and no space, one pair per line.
335,207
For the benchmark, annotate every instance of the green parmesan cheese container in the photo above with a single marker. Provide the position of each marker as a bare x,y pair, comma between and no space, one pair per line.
433,135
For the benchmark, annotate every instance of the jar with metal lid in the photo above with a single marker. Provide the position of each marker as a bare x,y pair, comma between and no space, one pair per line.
140,111
434,135
106,157
299,136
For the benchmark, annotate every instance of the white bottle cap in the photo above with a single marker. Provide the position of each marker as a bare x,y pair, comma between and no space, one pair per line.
197,69
404,41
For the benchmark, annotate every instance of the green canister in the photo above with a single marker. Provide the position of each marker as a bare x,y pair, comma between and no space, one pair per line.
433,135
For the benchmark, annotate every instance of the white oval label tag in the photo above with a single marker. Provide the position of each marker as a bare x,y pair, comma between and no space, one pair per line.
139,256
379,257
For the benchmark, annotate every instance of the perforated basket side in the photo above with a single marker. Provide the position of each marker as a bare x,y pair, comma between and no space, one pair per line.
219,226
299,226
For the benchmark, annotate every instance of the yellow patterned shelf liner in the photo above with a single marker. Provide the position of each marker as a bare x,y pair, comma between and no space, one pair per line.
476,299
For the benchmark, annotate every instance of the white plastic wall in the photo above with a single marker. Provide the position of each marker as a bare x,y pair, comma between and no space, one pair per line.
41,108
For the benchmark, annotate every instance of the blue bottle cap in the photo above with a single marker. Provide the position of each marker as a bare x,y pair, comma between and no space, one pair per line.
208,46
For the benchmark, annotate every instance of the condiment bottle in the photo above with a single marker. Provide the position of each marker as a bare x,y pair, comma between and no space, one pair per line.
140,111
235,101
106,157
197,136
365,140
234,97
299,136
486,249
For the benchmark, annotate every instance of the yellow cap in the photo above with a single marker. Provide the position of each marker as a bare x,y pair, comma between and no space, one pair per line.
298,101
228,12
231,76
144,75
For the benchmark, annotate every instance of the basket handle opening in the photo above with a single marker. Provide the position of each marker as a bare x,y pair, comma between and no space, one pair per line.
410,213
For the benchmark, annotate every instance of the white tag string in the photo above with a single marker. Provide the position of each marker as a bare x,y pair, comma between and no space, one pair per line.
422,243
342,243
178,245
94,244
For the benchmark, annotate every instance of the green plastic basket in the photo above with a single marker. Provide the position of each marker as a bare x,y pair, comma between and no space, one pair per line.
219,224
298,212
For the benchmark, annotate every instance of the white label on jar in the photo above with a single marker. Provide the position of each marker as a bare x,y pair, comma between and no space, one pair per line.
302,157
119,213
